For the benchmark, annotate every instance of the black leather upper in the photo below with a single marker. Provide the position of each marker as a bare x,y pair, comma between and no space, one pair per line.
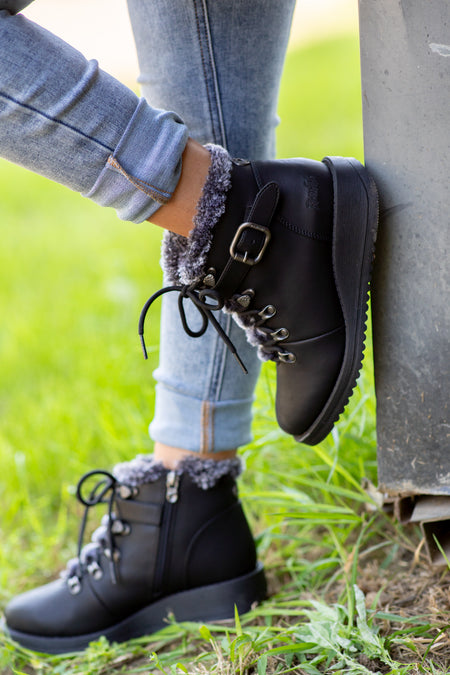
209,541
295,275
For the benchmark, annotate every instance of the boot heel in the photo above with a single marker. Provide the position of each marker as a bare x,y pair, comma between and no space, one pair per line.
355,222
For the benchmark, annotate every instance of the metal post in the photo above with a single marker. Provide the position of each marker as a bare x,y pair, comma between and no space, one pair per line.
405,61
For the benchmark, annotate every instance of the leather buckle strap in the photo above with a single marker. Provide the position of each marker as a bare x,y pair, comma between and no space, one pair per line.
239,237
250,241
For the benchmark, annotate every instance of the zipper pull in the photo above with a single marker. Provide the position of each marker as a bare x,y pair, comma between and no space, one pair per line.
172,482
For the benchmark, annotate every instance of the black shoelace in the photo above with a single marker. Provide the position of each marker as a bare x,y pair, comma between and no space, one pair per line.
102,541
268,339
205,309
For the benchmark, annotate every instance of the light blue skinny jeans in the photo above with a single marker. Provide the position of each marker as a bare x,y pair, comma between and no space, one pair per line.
218,64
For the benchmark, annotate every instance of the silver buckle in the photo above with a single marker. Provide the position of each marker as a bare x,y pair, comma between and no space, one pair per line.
243,258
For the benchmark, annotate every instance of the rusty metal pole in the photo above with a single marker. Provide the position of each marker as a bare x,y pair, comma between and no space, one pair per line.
405,64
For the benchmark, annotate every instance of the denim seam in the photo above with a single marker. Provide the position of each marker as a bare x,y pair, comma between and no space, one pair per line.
210,384
214,94
207,428
147,188
56,121
220,370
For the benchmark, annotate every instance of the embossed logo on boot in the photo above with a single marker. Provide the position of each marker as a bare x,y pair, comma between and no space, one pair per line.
312,196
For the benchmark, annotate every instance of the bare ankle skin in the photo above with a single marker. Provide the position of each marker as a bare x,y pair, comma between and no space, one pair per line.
170,456
178,213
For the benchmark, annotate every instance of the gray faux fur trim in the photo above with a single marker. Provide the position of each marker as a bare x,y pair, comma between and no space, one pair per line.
142,469
204,473
183,259
255,337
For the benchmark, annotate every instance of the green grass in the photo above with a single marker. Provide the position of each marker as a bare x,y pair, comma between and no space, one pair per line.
77,395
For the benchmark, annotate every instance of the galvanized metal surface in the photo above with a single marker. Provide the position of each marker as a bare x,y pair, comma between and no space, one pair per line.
433,515
431,512
405,60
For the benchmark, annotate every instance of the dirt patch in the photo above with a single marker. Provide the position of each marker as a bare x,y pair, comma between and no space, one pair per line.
418,596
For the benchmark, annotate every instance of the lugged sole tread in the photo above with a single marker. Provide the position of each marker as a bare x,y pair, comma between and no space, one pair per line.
346,382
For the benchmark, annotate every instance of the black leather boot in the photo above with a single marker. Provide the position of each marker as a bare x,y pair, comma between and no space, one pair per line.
14,6
287,247
172,543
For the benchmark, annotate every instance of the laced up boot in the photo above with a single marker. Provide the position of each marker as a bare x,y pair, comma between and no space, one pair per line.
287,247
171,543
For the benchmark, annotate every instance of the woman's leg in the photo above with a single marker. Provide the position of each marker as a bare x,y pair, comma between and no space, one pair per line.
219,65
306,293
64,118
173,533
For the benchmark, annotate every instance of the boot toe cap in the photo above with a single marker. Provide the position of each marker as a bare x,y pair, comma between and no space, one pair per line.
52,611
305,386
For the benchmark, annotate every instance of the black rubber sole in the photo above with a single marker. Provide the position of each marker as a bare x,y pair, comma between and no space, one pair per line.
205,604
354,235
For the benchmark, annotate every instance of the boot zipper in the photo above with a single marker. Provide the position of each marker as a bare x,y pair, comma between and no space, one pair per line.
172,482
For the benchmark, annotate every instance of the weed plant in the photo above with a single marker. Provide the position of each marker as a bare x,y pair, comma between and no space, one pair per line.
350,591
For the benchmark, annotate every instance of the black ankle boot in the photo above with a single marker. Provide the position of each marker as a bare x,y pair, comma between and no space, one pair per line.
14,6
287,247
174,543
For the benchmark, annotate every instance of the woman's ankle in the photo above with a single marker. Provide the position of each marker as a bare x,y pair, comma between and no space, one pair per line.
170,456
178,214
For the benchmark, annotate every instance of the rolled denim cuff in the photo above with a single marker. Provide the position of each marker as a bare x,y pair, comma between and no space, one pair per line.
213,426
142,173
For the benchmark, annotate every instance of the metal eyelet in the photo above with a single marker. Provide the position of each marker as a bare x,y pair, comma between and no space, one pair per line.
286,357
112,556
210,278
119,527
245,298
268,312
243,301
74,585
280,334
126,491
95,570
